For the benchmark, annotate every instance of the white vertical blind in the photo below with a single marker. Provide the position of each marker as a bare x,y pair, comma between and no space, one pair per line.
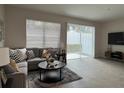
42,34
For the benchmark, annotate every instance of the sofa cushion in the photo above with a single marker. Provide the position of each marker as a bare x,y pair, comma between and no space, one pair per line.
33,63
22,64
23,67
35,50
40,52
9,69
23,70
36,59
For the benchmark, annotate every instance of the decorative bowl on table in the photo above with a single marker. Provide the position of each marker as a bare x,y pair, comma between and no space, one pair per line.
50,62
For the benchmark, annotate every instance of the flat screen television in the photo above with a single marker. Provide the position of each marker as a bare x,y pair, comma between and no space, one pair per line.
116,38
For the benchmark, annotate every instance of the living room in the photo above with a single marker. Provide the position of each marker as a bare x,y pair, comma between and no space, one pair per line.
84,72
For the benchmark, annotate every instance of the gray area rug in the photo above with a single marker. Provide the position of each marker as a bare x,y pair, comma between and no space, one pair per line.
33,79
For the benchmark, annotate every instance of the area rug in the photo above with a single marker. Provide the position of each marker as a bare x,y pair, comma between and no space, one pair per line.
33,79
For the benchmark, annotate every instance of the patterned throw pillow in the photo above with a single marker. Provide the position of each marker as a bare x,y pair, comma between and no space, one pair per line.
18,55
14,55
22,53
30,54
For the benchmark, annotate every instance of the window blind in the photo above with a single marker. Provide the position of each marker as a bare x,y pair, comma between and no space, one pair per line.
42,34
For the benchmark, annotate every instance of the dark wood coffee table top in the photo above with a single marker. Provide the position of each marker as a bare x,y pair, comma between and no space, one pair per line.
44,65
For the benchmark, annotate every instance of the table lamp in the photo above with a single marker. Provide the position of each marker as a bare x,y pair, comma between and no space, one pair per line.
4,56
4,60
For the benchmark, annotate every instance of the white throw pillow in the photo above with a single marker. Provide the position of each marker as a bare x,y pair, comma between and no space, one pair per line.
22,53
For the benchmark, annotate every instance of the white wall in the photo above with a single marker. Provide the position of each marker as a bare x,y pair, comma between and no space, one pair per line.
113,26
15,19
2,19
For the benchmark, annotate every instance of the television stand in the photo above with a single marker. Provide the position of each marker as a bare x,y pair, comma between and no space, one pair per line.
117,55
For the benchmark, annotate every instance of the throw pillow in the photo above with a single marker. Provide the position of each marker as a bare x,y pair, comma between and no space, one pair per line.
3,76
14,65
15,55
22,53
30,54
12,53
46,54
18,55
52,51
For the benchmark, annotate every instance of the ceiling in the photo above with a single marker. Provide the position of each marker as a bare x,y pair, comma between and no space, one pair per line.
93,12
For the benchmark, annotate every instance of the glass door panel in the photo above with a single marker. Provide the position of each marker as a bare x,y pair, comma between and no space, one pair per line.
73,41
80,41
87,40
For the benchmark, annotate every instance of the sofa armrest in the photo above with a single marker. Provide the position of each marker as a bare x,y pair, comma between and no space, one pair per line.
16,80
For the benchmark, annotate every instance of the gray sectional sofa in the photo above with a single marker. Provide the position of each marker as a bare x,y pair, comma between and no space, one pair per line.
18,79
33,63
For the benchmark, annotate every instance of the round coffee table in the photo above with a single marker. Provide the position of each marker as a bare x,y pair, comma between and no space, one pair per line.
51,74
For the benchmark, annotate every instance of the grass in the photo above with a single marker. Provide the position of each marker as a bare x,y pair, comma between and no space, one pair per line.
73,48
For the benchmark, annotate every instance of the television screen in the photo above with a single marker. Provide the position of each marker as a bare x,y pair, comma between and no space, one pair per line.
116,38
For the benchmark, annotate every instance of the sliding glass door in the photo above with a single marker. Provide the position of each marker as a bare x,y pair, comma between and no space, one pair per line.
73,42
87,40
80,41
